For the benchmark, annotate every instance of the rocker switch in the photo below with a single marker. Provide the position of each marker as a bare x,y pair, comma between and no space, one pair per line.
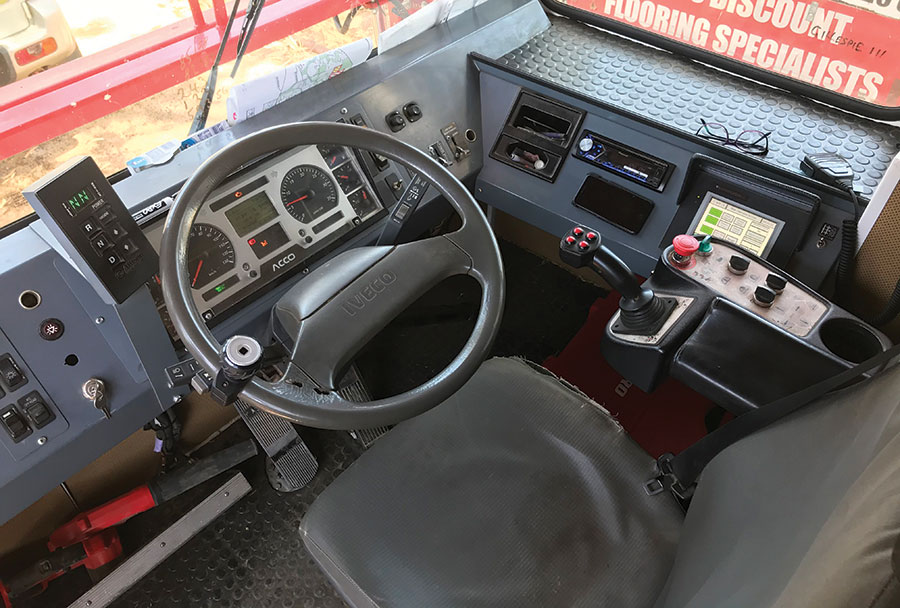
14,424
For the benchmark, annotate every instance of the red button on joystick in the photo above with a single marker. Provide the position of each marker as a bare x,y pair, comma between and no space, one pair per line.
570,240
577,231
583,245
591,236
685,245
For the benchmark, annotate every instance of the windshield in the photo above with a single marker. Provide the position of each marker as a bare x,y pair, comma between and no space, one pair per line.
116,80
847,48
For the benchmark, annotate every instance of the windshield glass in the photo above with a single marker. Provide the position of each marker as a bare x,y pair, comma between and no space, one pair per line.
115,80
847,47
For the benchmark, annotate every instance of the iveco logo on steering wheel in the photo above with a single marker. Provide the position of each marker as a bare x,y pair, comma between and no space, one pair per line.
279,264
358,300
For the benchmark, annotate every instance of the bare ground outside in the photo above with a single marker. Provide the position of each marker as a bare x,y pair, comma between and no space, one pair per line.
131,131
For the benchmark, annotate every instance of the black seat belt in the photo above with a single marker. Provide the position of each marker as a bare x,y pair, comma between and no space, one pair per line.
679,472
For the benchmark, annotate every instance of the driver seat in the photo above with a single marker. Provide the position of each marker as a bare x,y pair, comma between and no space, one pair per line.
521,492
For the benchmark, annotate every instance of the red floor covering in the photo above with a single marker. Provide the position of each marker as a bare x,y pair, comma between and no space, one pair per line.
667,420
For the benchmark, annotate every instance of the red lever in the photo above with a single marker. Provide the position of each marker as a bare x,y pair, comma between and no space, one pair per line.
685,245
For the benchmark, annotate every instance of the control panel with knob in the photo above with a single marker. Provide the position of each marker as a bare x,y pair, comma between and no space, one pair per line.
736,275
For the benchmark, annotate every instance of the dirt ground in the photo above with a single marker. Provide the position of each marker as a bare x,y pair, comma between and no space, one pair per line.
118,137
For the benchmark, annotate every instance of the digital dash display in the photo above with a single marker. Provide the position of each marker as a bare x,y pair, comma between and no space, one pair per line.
79,200
748,228
251,213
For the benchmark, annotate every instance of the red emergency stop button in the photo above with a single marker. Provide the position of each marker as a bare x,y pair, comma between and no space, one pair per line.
685,245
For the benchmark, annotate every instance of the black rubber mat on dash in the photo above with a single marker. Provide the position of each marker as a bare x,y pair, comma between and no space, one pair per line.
252,556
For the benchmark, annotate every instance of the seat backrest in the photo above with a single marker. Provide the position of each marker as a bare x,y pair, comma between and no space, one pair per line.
805,513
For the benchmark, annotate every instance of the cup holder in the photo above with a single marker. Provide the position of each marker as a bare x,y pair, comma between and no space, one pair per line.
850,340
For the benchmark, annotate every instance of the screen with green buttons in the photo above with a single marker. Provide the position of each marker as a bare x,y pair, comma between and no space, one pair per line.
725,219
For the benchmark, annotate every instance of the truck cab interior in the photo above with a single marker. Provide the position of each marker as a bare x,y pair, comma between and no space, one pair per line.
540,304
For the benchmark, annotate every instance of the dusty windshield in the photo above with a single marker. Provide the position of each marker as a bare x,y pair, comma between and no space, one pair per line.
847,47
117,80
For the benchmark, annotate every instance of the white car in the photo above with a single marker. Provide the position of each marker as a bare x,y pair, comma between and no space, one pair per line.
34,36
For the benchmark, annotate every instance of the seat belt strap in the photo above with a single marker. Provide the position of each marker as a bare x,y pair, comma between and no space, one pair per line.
679,473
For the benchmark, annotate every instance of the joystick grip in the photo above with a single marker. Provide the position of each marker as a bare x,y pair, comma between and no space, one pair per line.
641,312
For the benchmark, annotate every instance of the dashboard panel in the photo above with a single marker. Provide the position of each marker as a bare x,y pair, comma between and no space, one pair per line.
653,159
264,225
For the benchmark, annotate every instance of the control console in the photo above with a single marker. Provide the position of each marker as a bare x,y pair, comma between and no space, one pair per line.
736,328
728,271
92,225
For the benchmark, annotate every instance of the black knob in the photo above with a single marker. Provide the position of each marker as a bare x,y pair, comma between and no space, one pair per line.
764,296
395,121
776,283
738,264
412,111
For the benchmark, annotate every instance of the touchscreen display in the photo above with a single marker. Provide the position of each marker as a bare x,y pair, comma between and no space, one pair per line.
616,205
754,231
250,214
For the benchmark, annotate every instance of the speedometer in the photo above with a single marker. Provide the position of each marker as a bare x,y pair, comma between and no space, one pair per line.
307,192
210,255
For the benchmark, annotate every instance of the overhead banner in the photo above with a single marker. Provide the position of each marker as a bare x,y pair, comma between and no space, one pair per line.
847,47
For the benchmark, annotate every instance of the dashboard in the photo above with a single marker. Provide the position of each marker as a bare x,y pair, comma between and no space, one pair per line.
260,227
507,126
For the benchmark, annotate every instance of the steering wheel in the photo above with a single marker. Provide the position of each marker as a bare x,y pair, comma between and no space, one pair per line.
336,309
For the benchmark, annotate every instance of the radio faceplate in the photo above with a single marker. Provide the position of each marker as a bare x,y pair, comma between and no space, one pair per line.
626,162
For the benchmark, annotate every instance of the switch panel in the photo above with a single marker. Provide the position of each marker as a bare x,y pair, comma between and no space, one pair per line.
14,424
731,273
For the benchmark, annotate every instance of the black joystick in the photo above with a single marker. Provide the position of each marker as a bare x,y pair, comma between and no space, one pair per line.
641,311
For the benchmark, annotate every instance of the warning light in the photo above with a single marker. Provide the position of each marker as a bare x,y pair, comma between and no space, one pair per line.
265,243
238,194
251,242
220,288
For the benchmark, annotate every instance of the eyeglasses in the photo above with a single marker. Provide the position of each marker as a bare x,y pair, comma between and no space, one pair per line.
751,142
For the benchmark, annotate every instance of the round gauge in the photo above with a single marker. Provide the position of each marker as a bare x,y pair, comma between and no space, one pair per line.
307,192
210,255
347,177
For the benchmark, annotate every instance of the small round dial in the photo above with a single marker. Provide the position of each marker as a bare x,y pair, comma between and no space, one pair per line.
210,255
307,192
347,177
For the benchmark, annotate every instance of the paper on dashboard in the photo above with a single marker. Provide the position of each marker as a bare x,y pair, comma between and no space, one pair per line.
252,97
422,20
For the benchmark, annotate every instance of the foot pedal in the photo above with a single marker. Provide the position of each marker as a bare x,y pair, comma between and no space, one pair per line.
354,389
290,465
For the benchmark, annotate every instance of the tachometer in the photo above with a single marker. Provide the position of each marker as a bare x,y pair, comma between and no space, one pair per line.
210,255
307,192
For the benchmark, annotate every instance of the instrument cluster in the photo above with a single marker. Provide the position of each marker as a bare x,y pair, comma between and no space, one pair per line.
259,227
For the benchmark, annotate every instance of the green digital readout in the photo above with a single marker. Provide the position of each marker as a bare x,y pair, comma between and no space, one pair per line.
80,200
